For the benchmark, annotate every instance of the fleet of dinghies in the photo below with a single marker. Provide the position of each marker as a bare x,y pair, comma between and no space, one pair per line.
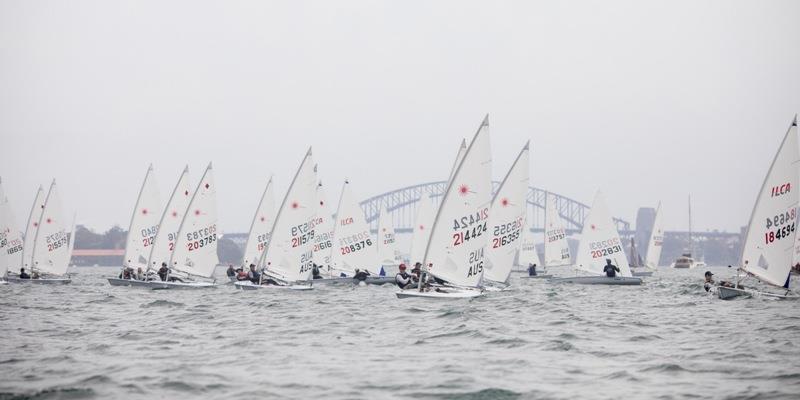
461,249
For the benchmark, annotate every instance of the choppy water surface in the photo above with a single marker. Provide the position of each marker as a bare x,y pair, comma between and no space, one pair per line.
665,339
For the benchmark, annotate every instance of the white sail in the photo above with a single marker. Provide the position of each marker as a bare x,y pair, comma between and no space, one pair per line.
507,219
258,237
31,228
323,232
354,247
72,237
556,247
51,244
600,241
768,247
527,249
144,223
290,248
170,221
459,156
11,243
387,239
457,246
422,229
656,241
196,245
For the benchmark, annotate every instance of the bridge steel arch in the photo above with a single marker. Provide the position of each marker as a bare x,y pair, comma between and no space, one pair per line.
402,205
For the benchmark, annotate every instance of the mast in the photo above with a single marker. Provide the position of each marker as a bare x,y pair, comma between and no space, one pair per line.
691,244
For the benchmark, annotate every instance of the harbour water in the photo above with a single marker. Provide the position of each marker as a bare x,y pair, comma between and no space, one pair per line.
666,339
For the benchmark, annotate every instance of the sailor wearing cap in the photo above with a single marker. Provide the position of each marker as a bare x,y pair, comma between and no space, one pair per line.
403,279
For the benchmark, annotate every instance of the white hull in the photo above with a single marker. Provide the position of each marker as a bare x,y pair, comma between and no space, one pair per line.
247,285
727,293
133,283
183,285
598,280
40,281
381,280
443,293
540,276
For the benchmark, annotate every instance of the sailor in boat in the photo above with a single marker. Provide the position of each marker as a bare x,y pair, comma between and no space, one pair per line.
360,275
532,270
241,275
610,269
709,282
253,275
403,279
163,272
23,274
315,274
415,272
139,274
127,273
35,275
230,272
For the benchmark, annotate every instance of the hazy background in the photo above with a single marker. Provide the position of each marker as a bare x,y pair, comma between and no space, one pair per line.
647,100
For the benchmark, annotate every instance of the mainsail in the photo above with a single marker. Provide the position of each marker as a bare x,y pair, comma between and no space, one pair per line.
11,243
556,247
656,241
289,252
144,223
768,247
196,245
31,228
387,240
258,236
355,248
170,221
507,219
323,232
527,249
600,241
51,244
457,245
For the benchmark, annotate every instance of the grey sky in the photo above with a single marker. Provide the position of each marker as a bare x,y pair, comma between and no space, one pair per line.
647,100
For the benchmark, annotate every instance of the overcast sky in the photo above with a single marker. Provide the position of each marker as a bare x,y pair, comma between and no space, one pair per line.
647,100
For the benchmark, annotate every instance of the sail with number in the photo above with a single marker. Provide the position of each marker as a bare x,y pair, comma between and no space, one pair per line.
31,228
556,247
769,244
323,232
354,247
51,244
457,246
170,221
144,223
196,245
11,243
600,241
507,219
387,240
288,256
527,249
656,242
258,236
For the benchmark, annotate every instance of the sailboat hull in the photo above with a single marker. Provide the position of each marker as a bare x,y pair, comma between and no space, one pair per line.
41,281
727,293
540,276
246,285
183,285
133,283
442,293
378,280
598,280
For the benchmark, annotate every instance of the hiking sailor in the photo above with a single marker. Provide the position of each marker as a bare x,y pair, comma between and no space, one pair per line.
610,269
532,270
403,279
163,272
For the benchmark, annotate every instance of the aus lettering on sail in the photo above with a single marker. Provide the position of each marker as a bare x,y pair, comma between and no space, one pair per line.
605,248
201,237
506,234
475,263
470,226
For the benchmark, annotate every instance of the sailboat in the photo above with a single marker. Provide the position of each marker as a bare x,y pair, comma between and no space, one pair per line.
287,261
323,233
50,251
260,228
636,263
528,255
387,242
685,261
456,251
426,213
164,242
600,242
767,253
654,244
354,248
556,247
11,243
507,221
142,229
195,252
